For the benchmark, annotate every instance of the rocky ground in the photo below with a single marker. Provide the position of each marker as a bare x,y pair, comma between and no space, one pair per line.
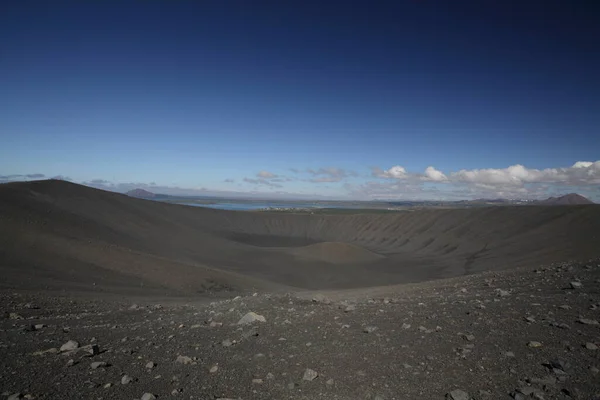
514,334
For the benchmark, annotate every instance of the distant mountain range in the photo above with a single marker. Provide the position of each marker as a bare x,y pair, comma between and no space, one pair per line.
567,199
141,194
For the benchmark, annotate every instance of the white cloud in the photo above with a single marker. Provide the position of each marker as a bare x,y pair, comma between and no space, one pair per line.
262,181
580,173
396,172
433,174
329,174
515,181
582,164
266,175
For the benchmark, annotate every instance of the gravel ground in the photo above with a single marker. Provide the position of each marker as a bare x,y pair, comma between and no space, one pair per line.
499,335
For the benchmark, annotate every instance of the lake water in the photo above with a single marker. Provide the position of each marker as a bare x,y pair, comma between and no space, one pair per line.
255,206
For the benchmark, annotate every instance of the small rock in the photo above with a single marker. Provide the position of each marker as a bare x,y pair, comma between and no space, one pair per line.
15,396
150,365
98,364
591,346
469,338
148,396
349,308
226,343
530,319
576,285
126,379
586,321
329,382
509,354
560,364
270,376
69,346
534,344
213,369
458,395
250,318
107,385
369,329
320,298
257,381
309,374
183,360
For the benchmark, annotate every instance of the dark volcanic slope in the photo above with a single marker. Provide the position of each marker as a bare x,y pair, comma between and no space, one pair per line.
515,334
55,234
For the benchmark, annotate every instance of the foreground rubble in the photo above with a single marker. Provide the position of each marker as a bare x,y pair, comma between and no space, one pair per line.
514,334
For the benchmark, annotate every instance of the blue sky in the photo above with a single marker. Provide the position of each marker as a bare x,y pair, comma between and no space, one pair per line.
229,97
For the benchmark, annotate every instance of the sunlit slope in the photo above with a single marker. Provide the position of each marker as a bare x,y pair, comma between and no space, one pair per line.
54,231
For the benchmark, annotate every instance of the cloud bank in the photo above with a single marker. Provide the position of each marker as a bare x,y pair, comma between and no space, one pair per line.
395,182
580,173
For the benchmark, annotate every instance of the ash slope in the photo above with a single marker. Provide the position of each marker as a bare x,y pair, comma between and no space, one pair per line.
58,235
474,334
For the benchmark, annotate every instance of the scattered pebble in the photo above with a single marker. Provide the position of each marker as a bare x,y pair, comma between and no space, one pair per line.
591,346
309,374
183,360
98,364
250,318
69,346
458,394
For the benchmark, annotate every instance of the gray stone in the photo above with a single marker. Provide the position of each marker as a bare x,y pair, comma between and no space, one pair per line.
250,318
98,364
69,346
369,329
148,396
320,298
586,321
226,343
576,285
591,346
126,379
309,374
559,363
458,394
150,365
183,360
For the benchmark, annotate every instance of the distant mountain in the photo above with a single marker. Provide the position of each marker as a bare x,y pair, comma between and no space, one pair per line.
567,199
141,194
